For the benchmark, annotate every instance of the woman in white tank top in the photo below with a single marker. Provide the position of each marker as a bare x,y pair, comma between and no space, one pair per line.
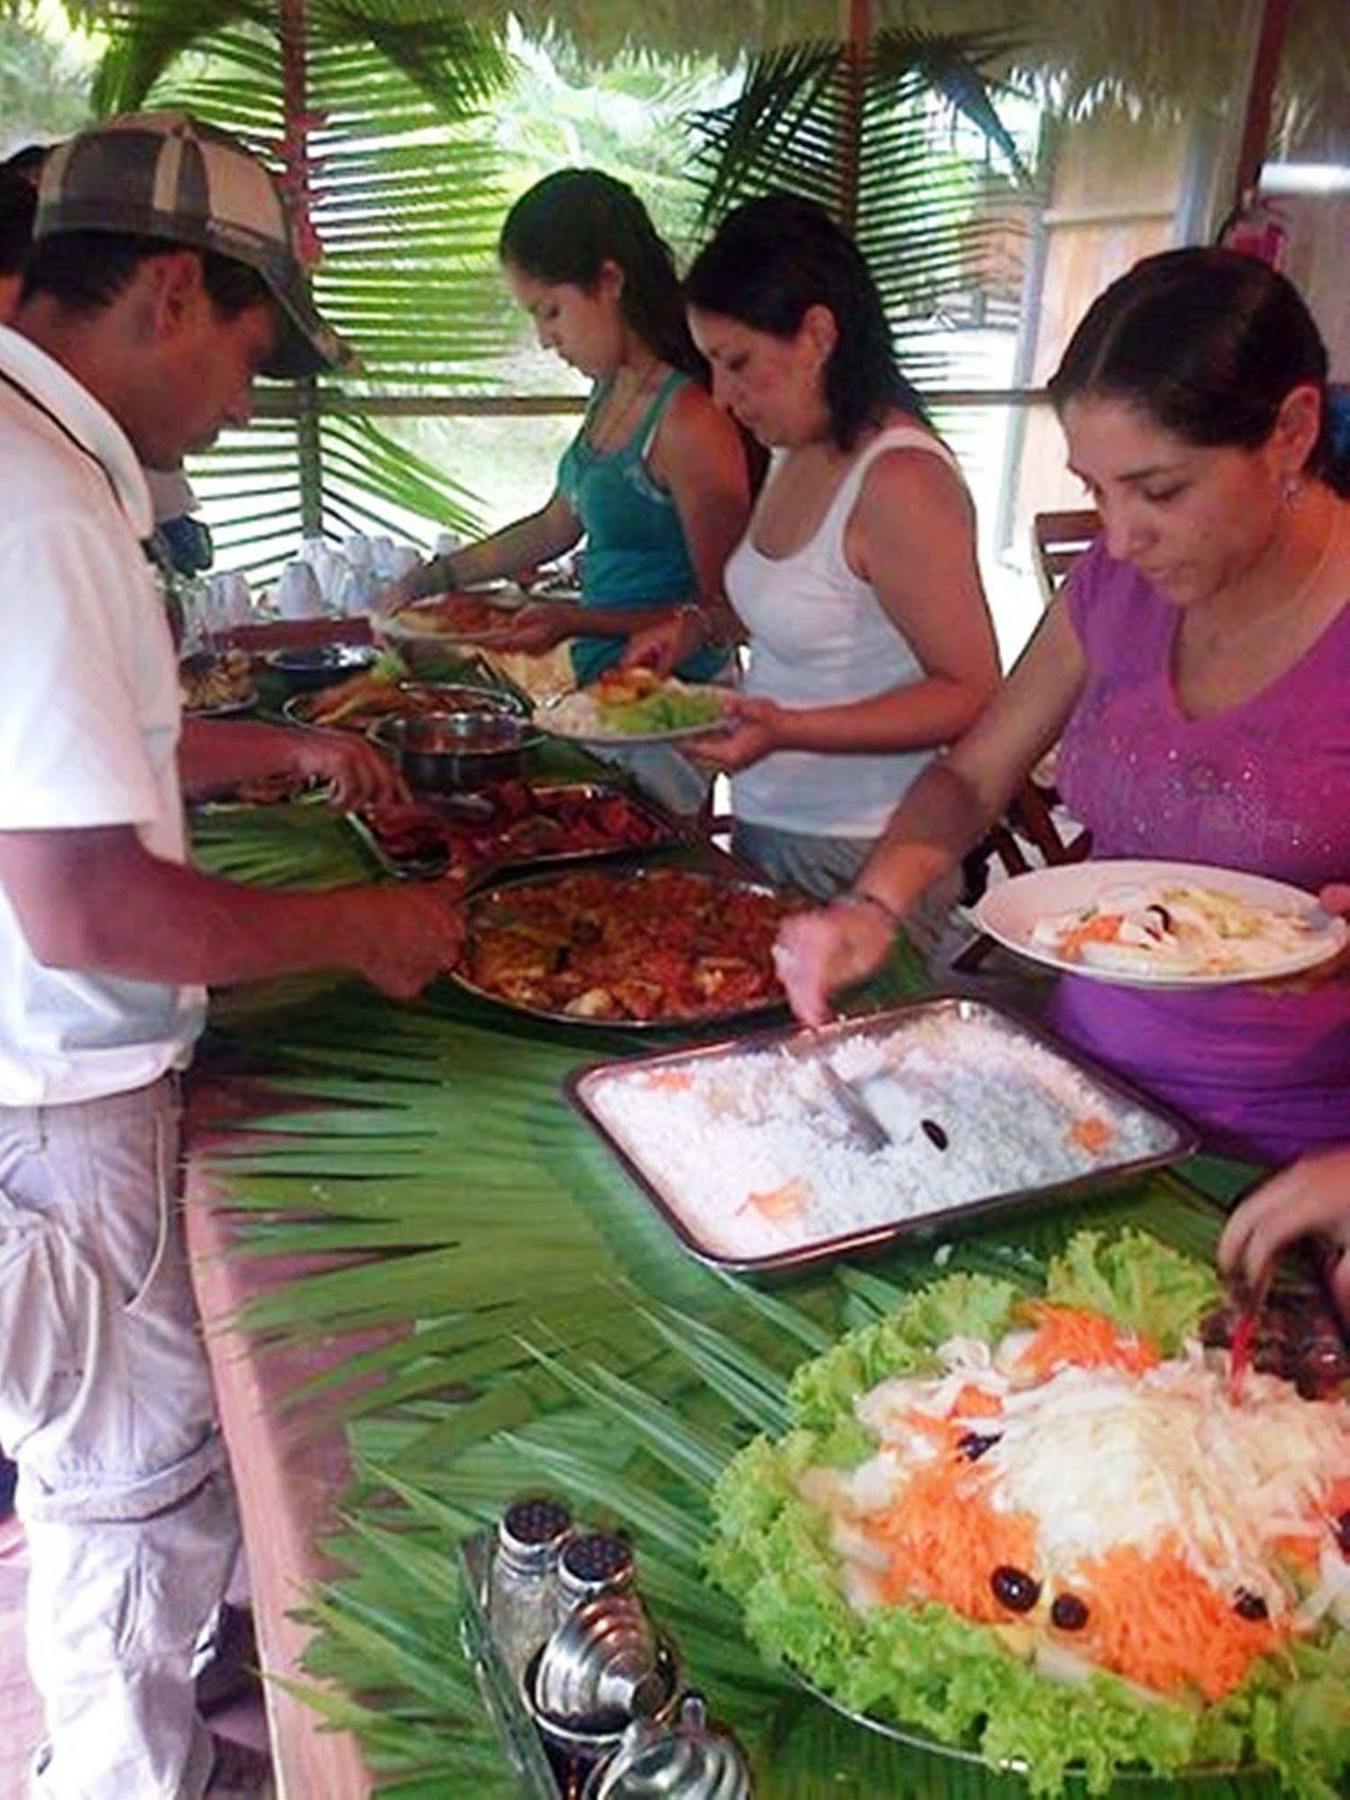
870,641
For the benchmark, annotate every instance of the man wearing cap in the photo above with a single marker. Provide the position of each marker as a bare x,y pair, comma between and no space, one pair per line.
161,281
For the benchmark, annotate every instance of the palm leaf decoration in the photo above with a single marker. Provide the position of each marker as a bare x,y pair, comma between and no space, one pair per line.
859,133
547,1332
372,111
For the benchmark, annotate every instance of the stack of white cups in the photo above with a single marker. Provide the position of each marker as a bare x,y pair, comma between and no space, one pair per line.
229,600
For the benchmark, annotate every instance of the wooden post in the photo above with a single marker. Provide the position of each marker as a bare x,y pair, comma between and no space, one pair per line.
295,132
857,22
1260,95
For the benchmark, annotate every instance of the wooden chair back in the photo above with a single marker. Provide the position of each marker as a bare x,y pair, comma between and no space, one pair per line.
1058,540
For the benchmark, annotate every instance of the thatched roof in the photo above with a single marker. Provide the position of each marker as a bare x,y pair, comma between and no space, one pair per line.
1169,55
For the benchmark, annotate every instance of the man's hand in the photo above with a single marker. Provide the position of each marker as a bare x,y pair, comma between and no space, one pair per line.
359,774
1311,1196
406,936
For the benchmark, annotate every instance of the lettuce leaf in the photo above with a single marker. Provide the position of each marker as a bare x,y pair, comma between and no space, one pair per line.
971,1685
906,1343
1136,1282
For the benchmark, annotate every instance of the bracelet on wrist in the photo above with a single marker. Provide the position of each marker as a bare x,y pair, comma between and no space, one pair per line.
856,896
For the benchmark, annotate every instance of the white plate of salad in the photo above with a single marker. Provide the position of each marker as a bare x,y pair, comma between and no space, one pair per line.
1161,924
634,706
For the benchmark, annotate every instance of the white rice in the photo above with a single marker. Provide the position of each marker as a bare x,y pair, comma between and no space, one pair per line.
755,1123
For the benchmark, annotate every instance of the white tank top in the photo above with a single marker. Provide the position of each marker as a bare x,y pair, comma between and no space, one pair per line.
820,637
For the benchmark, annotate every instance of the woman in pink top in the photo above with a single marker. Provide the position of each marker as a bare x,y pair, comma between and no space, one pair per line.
1198,671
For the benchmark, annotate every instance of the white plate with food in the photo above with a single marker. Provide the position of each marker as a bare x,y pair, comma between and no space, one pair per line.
634,706
478,616
1161,924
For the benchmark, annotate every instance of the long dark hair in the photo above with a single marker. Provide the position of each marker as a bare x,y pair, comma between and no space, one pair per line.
567,226
772,259
1209,343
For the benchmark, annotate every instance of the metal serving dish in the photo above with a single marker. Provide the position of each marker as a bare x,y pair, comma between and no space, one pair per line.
484,896
450,696
994,1077
522,855
448,752
322,665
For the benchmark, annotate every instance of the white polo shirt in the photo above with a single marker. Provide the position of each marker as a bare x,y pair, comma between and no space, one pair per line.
89,721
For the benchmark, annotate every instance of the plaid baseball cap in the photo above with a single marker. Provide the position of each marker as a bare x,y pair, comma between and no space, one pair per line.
166,175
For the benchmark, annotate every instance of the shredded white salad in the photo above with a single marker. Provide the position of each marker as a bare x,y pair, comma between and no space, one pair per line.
1171,929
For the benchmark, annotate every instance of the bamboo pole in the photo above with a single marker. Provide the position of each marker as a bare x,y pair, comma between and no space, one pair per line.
295,130
1261,96
857,23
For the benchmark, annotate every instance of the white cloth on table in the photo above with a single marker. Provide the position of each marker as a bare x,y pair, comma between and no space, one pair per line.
89,722
820,637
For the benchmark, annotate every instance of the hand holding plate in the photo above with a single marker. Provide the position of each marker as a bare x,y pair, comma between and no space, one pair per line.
752,727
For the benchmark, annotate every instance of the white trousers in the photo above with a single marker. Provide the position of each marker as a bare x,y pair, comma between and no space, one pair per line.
106,1406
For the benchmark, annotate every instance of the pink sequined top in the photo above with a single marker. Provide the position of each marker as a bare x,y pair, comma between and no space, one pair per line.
1263,786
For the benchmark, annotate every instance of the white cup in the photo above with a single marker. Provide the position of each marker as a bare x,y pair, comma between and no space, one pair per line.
404,560
447,542
231,601
355,590
298,594
382,557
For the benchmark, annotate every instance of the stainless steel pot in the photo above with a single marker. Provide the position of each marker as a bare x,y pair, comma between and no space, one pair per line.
449,752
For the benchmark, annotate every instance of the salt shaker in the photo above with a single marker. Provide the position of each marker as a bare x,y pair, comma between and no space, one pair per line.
521,1598
590,1564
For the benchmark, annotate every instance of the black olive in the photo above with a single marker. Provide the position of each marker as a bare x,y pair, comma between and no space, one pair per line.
1068,1612
934,1133
1250,1606
974,1444
1343,1533
1164,917
1014,1588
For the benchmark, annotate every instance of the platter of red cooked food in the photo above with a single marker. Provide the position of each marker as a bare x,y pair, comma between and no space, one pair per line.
631,947
512,823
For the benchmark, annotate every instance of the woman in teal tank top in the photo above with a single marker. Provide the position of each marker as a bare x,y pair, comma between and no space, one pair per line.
656,480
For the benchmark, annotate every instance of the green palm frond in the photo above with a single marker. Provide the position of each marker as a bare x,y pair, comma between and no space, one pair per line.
406,196
863,139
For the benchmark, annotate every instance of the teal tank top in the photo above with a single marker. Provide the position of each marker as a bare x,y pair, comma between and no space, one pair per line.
635,553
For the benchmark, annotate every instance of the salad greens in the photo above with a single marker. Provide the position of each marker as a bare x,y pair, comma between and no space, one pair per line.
669,709
969,1684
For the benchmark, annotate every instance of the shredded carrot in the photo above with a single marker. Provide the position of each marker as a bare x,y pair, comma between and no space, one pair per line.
1338,1498
784,1202
671,1081
1302,1548
1155,1620
945,1433
974,1403
1103,929
945,1541
1092,1134
1065,1335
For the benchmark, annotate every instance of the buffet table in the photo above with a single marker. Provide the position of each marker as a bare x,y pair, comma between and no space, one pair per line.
315,1108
